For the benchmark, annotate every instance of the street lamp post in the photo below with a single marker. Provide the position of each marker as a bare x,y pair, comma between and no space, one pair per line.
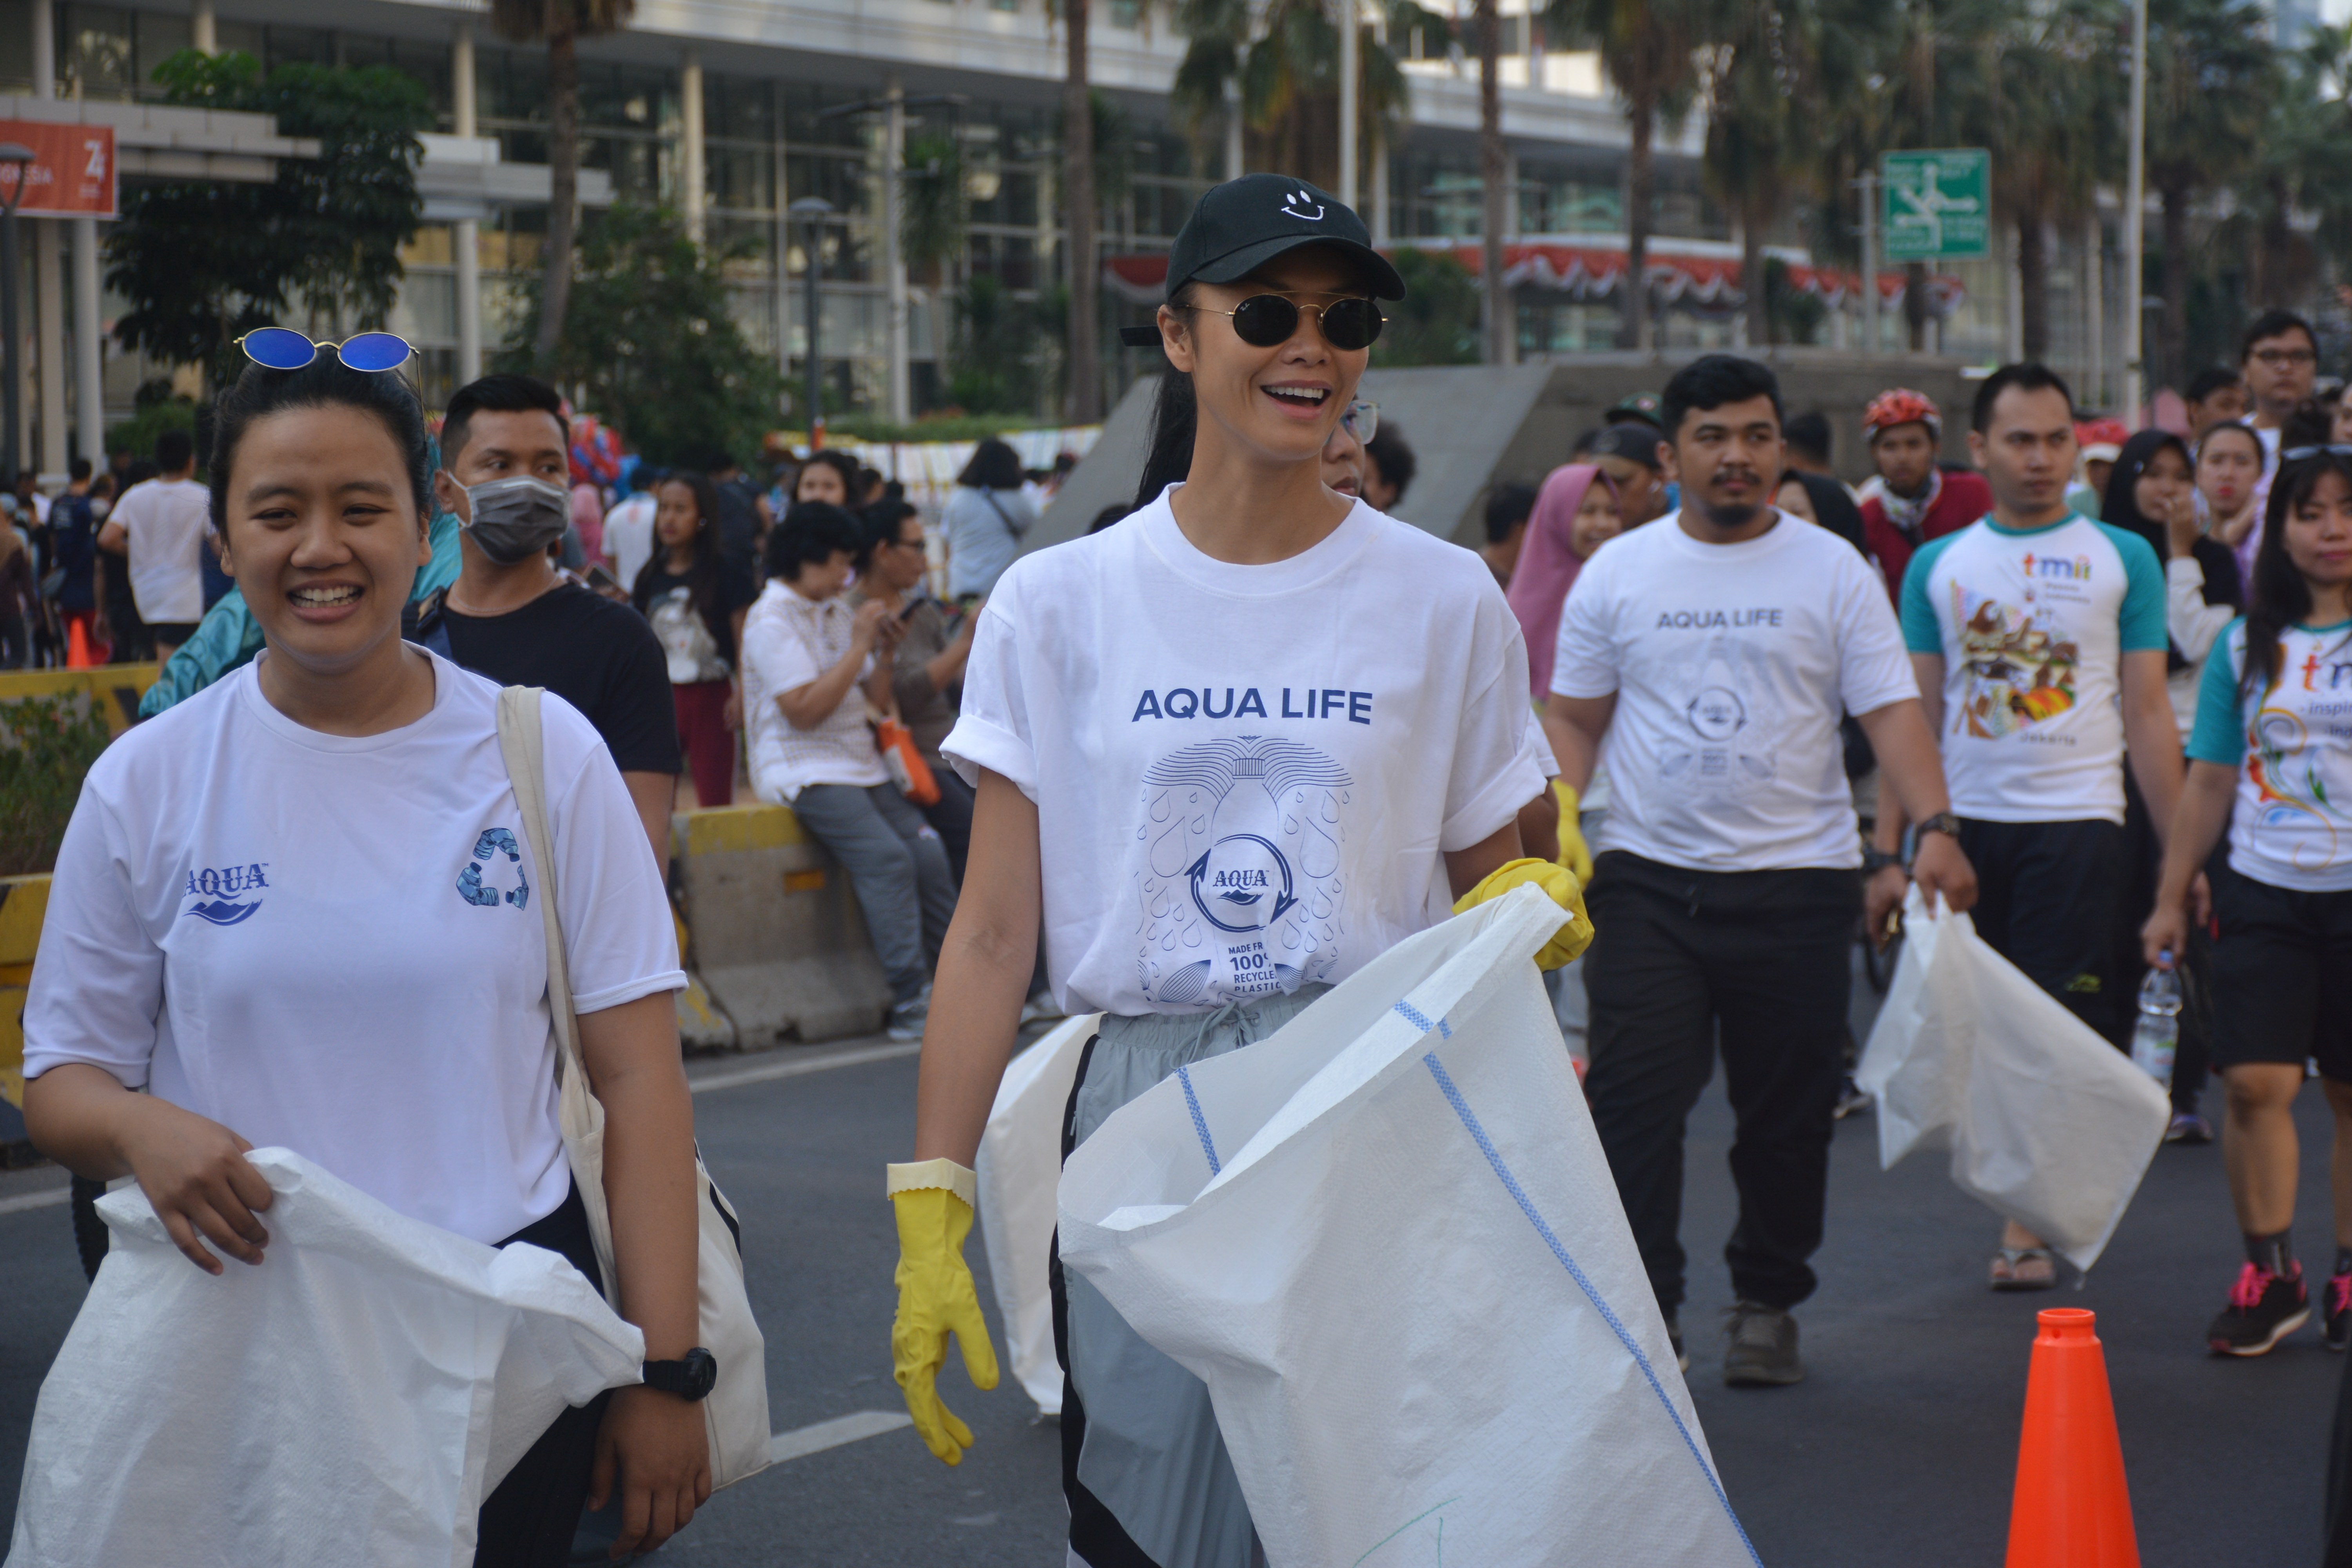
19,157
812,211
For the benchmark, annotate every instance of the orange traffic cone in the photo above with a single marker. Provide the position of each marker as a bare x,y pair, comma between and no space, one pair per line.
2073,1508
77,653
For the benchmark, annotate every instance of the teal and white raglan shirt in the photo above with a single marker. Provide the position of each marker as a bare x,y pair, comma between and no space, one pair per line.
2291,741
2033,626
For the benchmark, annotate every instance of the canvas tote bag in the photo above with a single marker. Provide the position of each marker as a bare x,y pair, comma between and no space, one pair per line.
736,1413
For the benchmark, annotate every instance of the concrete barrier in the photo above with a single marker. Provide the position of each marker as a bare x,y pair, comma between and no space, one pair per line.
114,689
702,1024
778,936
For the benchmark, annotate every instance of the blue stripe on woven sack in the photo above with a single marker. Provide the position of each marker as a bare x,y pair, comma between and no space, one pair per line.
1199,1123
1527,1208
1412,1016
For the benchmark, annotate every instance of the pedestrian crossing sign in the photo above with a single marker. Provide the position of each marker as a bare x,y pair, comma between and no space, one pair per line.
1939,204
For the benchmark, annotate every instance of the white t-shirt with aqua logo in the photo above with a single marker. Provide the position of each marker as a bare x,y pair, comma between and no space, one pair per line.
2032,627
1732,664
334,944
2291,741
1247,777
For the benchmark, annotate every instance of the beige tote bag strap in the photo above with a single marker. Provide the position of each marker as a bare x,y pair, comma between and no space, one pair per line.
522,741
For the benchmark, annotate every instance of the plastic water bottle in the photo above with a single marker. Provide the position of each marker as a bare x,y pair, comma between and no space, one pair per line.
2159,1030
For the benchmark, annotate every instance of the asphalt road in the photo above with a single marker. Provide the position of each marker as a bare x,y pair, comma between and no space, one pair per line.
1900,1449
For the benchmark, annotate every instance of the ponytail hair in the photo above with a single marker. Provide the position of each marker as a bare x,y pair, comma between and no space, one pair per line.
2280,596
1175,418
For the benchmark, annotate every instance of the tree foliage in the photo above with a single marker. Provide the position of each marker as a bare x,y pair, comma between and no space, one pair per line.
202,262
993,360
1436,323
649,342
1281,61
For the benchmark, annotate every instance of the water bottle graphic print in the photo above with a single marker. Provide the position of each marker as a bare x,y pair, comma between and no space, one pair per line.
1732,717
1240,884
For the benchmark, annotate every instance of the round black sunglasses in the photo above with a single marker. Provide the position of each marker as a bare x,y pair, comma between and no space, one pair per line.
1262,321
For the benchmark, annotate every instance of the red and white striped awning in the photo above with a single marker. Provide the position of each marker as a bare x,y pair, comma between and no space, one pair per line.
1586,272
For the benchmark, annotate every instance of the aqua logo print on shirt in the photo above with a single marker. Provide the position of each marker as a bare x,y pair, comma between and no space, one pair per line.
216,887
493,842
1240,885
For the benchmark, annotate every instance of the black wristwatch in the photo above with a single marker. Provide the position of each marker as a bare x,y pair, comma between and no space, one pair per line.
1944,823
1874,859
691,1377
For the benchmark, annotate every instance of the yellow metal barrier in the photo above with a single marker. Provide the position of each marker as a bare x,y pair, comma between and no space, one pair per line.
778,936
23,902
114,689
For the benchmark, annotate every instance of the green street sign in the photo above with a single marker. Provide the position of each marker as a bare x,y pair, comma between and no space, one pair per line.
1937,206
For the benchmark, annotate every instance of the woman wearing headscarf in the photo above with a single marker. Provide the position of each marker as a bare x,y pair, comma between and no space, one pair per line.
1574,516
2151,493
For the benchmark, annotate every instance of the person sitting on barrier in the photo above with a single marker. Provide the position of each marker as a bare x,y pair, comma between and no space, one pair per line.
807,659
295,910
1209,849
928,667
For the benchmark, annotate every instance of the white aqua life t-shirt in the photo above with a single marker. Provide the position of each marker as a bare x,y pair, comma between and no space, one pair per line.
333,943
1246,776
2033,626
2291,741
1732,664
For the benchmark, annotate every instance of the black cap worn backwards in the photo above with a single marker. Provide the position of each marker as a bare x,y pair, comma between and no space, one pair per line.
1242,225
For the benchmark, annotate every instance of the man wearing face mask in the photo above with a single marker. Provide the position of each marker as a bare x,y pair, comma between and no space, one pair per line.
508,616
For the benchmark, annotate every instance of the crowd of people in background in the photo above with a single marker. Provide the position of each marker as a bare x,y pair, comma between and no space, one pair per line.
737,632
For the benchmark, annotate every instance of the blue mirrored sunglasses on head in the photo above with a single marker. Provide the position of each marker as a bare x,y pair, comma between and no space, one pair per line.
283,348
2302,454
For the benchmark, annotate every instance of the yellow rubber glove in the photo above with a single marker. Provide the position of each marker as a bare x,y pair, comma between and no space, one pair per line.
937,1298
1572,851
1566,891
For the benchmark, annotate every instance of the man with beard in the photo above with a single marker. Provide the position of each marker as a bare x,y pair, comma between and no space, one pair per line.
1712,655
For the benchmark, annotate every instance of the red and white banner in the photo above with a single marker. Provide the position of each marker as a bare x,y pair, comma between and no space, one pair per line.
1591,272
72,174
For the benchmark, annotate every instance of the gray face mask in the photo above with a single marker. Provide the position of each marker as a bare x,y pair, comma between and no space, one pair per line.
518,518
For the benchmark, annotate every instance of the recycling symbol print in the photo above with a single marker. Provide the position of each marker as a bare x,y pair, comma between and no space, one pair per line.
494,842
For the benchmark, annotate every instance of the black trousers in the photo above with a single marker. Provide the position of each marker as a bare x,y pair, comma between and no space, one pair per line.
2047,897
1761,960
529,1519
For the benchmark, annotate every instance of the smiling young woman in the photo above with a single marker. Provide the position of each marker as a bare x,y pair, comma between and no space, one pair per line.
259,886
1282,729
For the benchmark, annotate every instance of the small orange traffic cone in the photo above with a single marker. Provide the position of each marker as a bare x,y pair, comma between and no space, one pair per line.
77,653
2073,1508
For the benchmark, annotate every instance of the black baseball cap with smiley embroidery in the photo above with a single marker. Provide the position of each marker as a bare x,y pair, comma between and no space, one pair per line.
1242,225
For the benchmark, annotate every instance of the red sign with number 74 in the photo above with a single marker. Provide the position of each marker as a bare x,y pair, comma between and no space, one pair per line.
72,171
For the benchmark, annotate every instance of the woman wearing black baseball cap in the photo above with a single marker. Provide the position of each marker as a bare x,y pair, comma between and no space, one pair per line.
1227,754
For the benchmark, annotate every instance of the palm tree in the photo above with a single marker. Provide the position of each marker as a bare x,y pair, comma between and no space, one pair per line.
2058,132
1078,202
2211,69
1494,187
560,25
1285,67
1758,146
1647,49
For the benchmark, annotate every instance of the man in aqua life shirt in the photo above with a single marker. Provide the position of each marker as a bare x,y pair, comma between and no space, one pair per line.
2038,637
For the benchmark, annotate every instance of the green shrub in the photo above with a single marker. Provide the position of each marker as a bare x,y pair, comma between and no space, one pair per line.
47,744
